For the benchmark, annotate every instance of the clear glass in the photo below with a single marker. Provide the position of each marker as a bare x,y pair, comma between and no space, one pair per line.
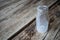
42,19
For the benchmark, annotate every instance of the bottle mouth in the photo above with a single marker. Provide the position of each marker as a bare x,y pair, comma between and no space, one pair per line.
42,7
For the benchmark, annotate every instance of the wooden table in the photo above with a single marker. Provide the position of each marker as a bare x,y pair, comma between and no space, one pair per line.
30,32
17,20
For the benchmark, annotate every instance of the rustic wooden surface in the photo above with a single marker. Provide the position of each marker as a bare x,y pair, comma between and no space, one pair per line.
30,33
14,15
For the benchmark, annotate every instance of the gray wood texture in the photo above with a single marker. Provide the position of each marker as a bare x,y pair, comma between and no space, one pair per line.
18,14
30,33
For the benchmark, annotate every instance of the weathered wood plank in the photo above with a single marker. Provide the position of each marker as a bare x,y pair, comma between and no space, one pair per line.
55,27
5,3
57,36
20,22
27,33
14,19
5,22
10,10
18,14
15,27
34,35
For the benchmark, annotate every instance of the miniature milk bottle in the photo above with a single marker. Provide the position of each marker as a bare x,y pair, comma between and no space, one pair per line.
42,19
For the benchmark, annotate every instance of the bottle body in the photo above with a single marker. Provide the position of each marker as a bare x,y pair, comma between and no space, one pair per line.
42,19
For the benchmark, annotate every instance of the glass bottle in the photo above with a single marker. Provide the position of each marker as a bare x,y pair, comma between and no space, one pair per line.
42,19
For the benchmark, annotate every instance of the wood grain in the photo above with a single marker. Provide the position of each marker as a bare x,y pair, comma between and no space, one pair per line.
17,16
30,32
